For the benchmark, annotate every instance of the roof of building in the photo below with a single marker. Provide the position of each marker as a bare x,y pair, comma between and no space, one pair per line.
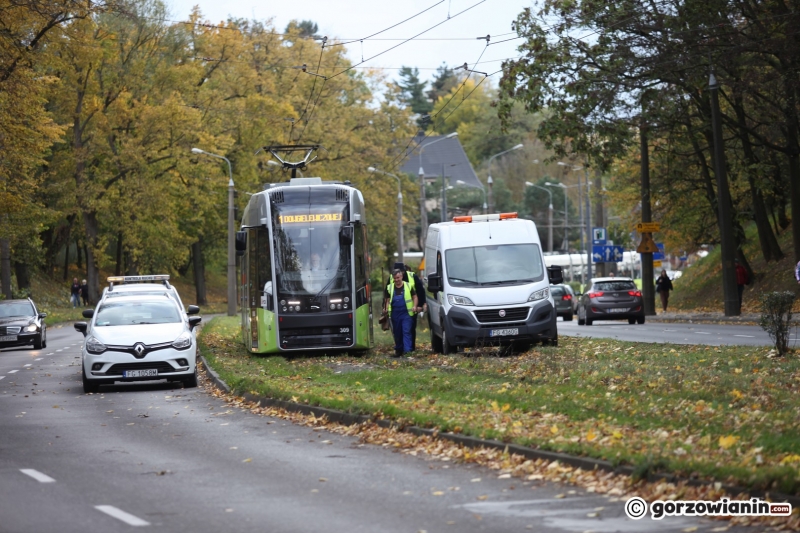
445,156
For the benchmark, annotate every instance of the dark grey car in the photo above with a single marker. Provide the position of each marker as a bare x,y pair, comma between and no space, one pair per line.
611,299
22,324
564,300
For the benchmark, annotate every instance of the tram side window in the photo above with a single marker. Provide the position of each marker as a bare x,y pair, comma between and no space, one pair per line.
264,267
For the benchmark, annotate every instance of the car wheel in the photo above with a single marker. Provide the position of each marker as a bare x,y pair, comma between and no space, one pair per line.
436,342
589,321
631,321
190,382
568,318
37,344
640,320
88,385
447,348
581,321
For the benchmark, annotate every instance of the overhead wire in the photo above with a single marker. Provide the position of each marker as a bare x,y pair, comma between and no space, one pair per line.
390,27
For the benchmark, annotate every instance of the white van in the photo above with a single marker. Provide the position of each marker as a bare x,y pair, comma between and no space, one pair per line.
488,284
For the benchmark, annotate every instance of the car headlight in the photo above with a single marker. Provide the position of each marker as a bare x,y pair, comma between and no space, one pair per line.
94,346
539,295
30,329
183,342
454,299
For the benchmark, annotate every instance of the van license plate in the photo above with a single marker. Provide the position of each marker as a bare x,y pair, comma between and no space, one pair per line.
503,332
140,373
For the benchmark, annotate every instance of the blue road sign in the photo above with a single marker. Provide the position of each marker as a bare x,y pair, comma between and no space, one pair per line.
599,235
659,255
607,254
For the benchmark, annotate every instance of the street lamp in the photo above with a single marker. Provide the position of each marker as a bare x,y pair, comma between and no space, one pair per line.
483,192
565,243
423,213
231,252
549,215
588,215
399,210
489,180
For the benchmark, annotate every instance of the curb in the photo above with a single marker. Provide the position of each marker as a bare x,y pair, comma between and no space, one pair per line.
585,463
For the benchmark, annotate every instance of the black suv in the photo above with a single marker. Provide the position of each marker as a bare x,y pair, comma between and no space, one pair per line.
22,324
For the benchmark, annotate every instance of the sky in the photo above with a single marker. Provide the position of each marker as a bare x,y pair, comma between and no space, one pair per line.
454,41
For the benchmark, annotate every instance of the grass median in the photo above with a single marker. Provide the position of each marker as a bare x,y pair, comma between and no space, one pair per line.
724,413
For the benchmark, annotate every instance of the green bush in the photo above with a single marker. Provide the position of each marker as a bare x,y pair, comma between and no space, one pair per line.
776,313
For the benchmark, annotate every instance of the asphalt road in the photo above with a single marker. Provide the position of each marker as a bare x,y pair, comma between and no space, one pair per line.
674,333
159,458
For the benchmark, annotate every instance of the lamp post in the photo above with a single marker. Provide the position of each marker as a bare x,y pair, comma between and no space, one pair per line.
549,215
231,252
565,242
399,210
483,192
423,213
489,180
588,236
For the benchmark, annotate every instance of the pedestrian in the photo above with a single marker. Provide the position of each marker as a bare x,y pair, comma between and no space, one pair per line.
742,279
663,286
419,288
797,272
400,301
75,293
85,292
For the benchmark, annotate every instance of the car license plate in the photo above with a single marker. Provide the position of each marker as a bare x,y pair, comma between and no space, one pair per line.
503,332
619,310
7,338
140,373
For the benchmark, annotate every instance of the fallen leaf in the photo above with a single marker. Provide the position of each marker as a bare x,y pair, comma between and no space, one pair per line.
248,460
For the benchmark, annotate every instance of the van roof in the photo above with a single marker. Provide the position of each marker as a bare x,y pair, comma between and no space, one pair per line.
497,232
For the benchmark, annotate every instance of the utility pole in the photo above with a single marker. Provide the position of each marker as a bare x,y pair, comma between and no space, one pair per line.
599,216
423,212
648,287
729,288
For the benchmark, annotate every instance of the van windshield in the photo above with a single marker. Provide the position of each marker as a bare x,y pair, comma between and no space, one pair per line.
506,264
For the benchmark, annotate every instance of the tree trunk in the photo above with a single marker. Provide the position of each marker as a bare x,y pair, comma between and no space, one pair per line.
92,270
118,267
770,248
793,152
5,268
22,270
79,260
199,272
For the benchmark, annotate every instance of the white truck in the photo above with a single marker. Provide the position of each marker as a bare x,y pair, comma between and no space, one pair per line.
488,284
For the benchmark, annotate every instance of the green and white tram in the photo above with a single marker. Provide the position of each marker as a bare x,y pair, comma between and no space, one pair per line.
303,270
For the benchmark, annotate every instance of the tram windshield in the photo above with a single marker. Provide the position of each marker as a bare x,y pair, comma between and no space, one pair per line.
308,258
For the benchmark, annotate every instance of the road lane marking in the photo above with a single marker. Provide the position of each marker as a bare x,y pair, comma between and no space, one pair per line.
2,377
702,333
748,336
59,350
38,476
13,371
119,514
27,364
38,358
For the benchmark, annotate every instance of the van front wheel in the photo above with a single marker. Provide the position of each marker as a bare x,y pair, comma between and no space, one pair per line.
436,342
447,348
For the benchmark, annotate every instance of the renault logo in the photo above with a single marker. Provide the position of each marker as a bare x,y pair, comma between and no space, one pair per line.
139,349
502,313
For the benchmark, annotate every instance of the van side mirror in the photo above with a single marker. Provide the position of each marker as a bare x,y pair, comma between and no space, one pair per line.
555,274
88,313
435,283
346,235
192,310
194,321
81,326
241,242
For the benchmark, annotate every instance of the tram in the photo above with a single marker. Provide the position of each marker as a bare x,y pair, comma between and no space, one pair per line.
304,273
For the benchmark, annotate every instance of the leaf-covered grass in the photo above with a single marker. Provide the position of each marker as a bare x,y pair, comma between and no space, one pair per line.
724,413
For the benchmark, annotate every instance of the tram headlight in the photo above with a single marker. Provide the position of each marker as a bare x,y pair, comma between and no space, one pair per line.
283,302
333,306
338,306
297,308
346,299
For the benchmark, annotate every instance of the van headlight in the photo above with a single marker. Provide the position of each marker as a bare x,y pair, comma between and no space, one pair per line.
94,346
454,299
539,295
183,342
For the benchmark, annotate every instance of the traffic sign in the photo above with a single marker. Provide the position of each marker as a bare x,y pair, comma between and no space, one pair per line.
599,235
607,254
659,255
647,246
656,264
648,227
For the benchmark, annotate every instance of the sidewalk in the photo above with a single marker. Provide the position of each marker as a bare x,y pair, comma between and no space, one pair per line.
710,318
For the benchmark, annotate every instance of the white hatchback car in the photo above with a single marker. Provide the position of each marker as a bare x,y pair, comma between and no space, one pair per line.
138,338
152,285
